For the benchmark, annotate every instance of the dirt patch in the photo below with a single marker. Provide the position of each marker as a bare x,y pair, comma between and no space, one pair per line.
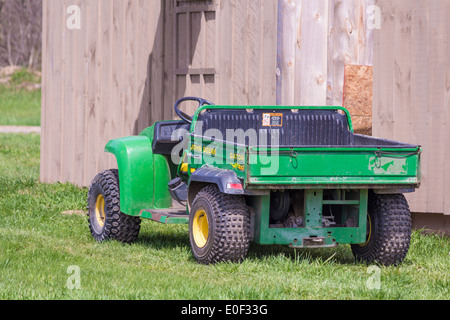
74,212
13,129
6,73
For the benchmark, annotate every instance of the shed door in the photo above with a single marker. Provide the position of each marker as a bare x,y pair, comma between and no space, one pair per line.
195,46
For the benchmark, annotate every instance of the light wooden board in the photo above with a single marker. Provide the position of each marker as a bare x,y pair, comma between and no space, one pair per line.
358,97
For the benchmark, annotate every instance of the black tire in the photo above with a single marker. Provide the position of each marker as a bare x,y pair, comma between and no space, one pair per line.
106,221
226,227
388,231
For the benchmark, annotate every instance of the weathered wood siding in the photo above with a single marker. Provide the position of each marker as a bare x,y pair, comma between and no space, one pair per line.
133,58
412,90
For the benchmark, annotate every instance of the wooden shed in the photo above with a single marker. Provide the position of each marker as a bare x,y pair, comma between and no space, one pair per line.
126,62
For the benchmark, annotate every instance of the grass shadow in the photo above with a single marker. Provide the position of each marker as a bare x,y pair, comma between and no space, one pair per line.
340,255
170,237
163,239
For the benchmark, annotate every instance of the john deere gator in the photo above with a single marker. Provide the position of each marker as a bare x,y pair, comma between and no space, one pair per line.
272,175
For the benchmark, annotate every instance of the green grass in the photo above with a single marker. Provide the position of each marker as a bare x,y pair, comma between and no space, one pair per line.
18,106
38,243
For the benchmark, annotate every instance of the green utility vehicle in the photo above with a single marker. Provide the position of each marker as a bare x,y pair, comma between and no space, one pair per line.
295,176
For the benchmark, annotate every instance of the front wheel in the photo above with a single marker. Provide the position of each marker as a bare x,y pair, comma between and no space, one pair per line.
106,221
388,231
219,227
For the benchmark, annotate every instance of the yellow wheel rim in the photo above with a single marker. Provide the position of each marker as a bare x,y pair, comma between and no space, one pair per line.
100,210
369,228
200,228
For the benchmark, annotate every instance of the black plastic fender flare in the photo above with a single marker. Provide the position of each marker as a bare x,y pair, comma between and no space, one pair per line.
226,180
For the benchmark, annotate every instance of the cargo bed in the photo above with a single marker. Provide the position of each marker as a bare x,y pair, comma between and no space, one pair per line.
313,148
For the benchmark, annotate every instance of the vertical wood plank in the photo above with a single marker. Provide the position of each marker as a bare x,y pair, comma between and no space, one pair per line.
254,52
446,128
65,79
268,36
312,56
240,46
129,45
196,38
384,72
366,57
162,70
57,78
92,91
402,70
73,55
290,41
118,70
330,53
106,42
210,39
347,40
402,93
226,31
360,28
182,40
75,120
166,31
446,123
436,80
45,90
145,35
419,95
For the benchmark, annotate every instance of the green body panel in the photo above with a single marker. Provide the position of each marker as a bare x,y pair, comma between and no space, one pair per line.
166,216
143,176
166,219
221,155
334,167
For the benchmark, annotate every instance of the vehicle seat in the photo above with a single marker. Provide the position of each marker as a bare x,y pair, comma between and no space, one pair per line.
167,135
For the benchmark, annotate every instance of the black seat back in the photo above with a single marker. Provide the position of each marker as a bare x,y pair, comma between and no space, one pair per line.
165,136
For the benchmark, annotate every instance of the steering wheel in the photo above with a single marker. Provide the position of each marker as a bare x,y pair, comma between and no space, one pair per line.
184,116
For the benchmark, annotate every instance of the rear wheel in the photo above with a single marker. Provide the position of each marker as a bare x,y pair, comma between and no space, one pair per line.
106,221
388,231
219,227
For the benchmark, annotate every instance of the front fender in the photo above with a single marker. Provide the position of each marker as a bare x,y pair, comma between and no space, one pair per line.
143,176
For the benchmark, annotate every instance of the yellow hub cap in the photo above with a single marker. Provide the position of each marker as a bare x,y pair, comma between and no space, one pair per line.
100,210
369,229
200,228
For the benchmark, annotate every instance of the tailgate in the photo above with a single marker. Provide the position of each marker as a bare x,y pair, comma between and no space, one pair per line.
343,167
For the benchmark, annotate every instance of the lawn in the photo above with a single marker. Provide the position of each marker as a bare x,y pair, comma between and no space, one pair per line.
20,106
47,252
